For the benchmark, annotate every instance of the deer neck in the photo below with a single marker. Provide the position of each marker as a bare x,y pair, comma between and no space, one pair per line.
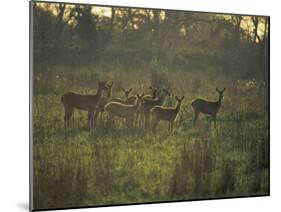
109,93
219,102
153,94
99,92
178,107
137,103
161,99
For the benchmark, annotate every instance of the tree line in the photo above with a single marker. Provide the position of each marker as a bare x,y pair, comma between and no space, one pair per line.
84,35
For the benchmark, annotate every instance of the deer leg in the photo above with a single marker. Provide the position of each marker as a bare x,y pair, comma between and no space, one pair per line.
215,121
72,120
135,119
130,122
110,120
96,114
142,119
100,117
146,120
196,114
171,126
154,126
127,122
67,115
90,119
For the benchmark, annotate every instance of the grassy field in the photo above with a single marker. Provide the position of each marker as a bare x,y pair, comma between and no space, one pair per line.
73,167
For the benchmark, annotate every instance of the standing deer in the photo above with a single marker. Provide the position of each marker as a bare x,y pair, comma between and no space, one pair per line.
207,107
89,103
148,104
154,92
132,99
103,101
169,114
117,109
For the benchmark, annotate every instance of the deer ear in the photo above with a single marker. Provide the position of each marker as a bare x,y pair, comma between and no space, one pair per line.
177,98
217,90
223,90
150,87
130,89
182,98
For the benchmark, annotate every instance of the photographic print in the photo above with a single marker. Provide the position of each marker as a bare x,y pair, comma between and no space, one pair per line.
141,105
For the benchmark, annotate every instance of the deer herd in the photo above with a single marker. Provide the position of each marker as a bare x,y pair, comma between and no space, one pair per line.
137,110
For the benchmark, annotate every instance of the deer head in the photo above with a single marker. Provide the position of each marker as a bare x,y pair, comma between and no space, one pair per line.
153,91
109,86
165,92
179,100
220,93
127,92
139,99
102,85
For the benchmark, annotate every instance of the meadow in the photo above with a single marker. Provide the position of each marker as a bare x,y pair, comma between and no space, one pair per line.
74,167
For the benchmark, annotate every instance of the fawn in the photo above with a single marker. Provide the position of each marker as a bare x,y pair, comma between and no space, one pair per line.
148,104
207,107
169,114
117,109
132,99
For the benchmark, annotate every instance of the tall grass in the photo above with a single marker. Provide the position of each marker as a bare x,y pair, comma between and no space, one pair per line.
73,167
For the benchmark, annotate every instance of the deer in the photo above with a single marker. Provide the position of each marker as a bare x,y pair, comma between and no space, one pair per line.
207,107
154,93
161,113
71,101
131,99
104,100
117,109
148,104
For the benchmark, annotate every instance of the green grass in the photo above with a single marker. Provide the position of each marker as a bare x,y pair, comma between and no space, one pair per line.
74,167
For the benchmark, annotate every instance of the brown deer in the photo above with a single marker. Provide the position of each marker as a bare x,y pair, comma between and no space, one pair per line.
207,107
127,92
148,104
104,100
132,99
117,109
89,103
169,114
129,99
154,92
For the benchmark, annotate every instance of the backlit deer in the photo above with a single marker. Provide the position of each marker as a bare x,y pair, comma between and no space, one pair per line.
129,99
154,92
161,113
89,103
121,100
127,92
148,104
207,107
104,100
116,109
132,99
